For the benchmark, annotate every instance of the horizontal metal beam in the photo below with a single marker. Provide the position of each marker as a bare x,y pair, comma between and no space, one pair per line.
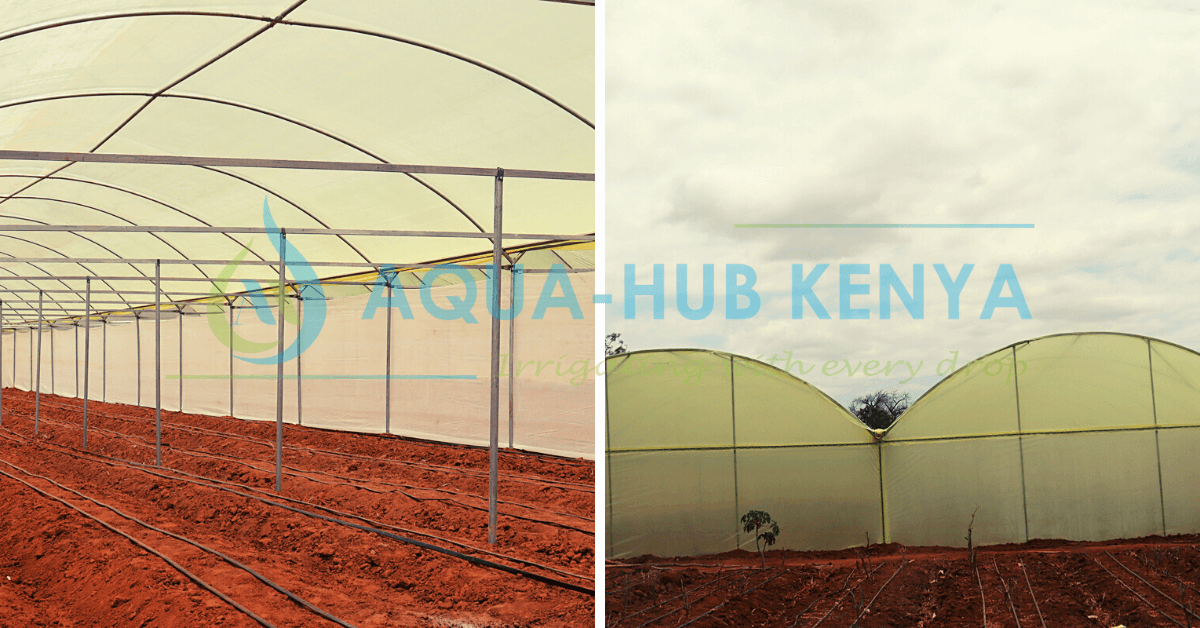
293,231
219,262
294,164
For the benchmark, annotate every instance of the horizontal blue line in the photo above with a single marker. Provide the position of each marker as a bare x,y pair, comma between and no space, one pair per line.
324,377
881,225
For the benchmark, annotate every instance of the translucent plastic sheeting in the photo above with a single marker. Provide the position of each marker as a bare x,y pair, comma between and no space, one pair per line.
1084,381
823,497
676,503
778,438
1076,436
440,369
933,487
1180,479
1093,486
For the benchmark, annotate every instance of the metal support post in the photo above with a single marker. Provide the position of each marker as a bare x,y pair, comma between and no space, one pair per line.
157,365
87,354
299,371
387,377
279,366
181,359
493,451
2,361
230,302
37,384
512,321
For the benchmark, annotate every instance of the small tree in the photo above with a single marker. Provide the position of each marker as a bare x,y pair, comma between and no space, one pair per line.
760,523
613,345
878,410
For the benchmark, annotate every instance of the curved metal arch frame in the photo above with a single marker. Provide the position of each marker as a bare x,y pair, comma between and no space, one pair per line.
41,178
115,254
288,119
280,20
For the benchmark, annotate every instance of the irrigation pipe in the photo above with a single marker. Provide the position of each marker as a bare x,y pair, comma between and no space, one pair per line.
396,537
1139,595
306,475
189,575
1031,596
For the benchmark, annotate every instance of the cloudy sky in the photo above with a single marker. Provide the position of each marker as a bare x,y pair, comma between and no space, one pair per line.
1082,118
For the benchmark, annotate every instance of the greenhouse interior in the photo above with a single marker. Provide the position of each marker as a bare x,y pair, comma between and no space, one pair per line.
1078,436
328,220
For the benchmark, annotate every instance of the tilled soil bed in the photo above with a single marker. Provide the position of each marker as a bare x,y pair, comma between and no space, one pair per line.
368,530
1152,582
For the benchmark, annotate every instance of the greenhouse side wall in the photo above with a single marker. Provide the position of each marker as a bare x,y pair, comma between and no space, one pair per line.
440,369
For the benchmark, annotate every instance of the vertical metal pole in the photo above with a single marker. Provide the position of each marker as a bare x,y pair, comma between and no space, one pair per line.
87,353
181,358
103,359
157,363
493,452
76,360
231,356
299,371
51,327
279,367
37,385
137,325
387,377
512,295
2,361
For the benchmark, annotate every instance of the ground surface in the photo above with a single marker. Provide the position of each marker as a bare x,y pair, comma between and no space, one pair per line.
87,535
1138,583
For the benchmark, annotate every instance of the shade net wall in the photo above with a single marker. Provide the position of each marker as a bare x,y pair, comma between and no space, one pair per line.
440,369
1083,437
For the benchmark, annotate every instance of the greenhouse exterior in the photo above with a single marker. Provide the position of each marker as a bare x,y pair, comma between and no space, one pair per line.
1081,436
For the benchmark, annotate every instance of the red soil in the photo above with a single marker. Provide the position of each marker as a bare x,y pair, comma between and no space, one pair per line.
60,568
1153,581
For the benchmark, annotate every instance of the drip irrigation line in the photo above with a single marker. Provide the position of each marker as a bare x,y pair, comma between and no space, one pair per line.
982,599
711,582
157,472
843,598
755,587
189,575
261,578
876,596
1139,595
1007,596
683,608
1031,595
304,474
1165,574
1147,583
432,467
819,598
396,537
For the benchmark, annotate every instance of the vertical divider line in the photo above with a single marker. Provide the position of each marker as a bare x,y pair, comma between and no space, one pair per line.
76,359
1162,502
1020,444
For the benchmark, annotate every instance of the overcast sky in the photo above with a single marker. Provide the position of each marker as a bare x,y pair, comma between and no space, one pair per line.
1082,118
